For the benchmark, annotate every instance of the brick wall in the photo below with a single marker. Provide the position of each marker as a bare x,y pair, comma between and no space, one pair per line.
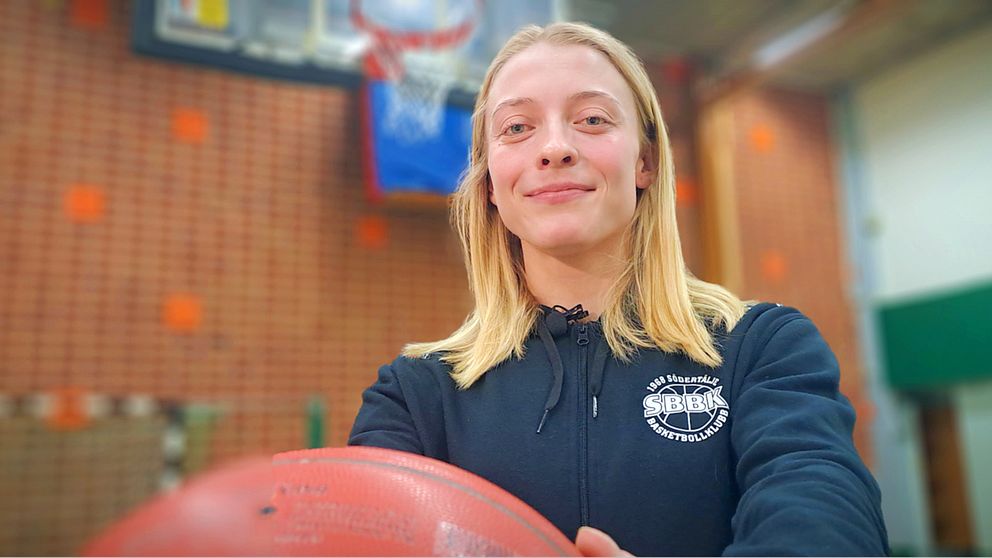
191,235
790,225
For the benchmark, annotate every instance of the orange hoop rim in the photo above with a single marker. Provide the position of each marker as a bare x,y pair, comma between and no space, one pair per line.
409,40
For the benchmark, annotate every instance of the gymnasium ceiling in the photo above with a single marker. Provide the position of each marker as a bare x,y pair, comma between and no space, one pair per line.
853,38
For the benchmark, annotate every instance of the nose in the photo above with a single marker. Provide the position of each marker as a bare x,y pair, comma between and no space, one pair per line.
557,150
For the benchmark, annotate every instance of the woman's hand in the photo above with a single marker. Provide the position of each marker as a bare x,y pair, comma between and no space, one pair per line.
593,542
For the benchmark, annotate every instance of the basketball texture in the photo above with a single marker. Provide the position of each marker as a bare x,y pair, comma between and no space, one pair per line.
219,513
351,501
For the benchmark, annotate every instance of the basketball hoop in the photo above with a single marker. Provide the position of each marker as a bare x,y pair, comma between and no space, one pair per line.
412,60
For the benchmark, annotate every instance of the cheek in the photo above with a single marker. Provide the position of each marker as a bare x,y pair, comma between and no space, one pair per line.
505,167
616,162
616,159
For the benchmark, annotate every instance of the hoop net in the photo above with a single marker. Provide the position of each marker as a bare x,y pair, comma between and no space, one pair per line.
418,64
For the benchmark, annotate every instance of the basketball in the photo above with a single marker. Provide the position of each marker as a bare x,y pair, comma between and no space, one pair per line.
351,501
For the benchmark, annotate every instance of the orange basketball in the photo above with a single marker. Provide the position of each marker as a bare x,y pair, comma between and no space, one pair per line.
336,502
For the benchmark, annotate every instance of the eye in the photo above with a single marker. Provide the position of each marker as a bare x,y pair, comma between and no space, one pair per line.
594,120
515,129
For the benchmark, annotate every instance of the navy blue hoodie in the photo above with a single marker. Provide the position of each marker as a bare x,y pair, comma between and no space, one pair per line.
667,456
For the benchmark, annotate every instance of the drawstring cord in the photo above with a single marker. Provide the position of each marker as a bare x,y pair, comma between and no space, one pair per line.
558,371
597,370
552,325
572,314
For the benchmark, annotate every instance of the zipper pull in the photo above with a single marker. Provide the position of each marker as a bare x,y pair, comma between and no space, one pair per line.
583,335
595,406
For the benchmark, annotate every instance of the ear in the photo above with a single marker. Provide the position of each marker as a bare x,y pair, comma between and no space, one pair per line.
647,167
489,186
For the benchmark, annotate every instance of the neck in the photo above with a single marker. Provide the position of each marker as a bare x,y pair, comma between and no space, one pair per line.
567,280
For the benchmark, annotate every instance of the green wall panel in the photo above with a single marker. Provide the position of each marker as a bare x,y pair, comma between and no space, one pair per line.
940,340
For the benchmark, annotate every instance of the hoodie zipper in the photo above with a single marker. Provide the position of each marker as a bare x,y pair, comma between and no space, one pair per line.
583,342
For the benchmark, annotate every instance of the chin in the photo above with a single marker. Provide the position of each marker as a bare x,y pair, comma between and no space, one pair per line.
561,241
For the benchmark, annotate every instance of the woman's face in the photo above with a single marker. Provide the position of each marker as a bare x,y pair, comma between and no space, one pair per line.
564,150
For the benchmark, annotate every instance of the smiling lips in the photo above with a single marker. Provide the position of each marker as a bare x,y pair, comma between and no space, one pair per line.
559,193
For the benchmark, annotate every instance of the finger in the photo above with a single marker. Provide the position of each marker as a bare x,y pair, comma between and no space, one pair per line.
592,542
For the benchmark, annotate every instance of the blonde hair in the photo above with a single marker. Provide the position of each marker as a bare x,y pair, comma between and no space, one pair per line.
655,303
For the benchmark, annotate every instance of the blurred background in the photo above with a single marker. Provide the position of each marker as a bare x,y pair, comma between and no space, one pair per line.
219,217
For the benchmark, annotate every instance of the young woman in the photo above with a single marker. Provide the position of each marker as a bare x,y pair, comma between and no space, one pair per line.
596,378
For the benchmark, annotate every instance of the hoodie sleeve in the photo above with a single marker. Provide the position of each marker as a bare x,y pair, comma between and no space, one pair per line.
804,489
402,410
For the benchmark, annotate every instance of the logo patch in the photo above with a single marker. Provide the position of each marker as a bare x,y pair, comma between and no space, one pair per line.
685,409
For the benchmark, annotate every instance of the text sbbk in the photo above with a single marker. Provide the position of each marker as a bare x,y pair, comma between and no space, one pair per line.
667,403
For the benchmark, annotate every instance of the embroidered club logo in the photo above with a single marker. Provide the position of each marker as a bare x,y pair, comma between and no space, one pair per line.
685,409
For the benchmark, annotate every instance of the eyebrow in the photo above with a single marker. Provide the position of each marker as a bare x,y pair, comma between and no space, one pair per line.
512,102
581,95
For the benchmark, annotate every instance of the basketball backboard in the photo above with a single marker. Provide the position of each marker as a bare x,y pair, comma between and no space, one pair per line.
321,34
